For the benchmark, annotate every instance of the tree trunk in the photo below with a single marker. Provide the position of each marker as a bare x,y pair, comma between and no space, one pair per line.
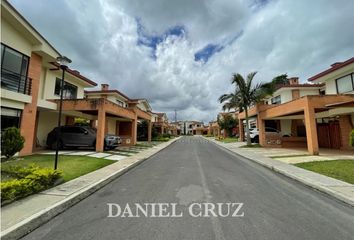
247,128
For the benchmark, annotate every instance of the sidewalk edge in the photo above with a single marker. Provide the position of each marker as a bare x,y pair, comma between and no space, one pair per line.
327,190
36,220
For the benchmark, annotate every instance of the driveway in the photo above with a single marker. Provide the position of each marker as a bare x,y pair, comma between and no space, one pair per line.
195,170
116,154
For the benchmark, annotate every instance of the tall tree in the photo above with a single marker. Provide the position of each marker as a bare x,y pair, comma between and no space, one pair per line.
270,87
246,93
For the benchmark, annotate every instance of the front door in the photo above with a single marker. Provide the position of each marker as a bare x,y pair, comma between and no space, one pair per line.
329,135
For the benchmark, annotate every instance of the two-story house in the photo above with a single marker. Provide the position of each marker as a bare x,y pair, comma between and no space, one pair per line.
30,78
160,122
124,122
314,115
30,89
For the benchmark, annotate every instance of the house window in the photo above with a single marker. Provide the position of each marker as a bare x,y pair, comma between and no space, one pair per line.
120,103
69,90
10,118
14,68
345,84
276,100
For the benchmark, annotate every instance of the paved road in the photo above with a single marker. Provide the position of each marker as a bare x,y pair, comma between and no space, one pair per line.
193,170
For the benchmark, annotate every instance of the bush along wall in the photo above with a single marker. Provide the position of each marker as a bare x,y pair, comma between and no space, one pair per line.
26,181
11,142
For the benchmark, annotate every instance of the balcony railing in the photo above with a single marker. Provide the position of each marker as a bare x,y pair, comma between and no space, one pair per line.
15,82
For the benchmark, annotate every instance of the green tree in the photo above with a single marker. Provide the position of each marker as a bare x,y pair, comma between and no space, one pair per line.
142,130
227,123
11,142
270,87
246,93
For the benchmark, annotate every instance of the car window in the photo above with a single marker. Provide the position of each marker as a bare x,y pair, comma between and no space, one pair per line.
72,130
271,130
78,130
65,130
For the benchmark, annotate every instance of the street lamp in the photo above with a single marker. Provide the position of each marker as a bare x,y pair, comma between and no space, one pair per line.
63,62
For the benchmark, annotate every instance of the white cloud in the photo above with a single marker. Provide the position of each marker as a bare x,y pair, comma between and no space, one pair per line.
300,38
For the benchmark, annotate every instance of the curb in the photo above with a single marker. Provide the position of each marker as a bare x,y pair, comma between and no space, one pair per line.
36,220
335,194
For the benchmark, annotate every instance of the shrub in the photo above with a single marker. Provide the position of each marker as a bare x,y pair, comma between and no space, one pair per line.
31,179
351,138
11,142
166,135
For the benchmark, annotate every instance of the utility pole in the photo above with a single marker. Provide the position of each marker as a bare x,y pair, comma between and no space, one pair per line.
175,116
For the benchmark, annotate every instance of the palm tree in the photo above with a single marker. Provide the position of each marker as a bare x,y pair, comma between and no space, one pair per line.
243,97
230,100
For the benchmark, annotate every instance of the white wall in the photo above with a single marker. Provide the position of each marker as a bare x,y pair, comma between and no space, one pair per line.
285,126
49,84
12,38
47,121
305,92
331,87
286,96
111,126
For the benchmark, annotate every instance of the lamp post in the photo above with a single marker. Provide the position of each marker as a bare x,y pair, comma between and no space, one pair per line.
63,62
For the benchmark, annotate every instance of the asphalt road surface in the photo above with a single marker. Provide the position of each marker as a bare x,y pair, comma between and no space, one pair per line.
193,170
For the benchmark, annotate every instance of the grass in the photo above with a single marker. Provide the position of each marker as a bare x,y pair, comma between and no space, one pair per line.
251,146
71,166
339,169
228,140
287,156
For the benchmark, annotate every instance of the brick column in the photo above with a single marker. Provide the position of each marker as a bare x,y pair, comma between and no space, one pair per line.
261,129
101,126
149,131
346,127
133,131
311,129
29,113
117,127
241,130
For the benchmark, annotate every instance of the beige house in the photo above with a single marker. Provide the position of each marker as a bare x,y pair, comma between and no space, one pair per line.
30,87
319,114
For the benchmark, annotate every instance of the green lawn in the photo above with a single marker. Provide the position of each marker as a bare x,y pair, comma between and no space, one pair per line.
339,169
228,140
251,146
71,166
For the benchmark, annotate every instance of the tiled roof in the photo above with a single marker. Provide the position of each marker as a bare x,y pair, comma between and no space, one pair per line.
333,68
108,91
76,74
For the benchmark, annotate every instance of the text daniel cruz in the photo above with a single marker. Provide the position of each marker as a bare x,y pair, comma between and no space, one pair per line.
170,210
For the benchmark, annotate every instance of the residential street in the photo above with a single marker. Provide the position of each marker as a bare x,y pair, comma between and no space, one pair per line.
195,170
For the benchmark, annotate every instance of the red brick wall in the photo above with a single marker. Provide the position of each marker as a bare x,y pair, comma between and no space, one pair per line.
346,127
28,122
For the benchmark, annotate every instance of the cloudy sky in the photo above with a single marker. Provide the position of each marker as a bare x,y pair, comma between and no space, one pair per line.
180,54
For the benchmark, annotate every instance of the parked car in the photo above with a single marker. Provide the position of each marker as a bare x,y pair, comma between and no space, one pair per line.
254,133
79,136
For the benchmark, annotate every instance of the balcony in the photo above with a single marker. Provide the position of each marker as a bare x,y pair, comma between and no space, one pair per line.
15,82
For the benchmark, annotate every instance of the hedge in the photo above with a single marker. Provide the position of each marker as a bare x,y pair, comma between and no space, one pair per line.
352,138
28,180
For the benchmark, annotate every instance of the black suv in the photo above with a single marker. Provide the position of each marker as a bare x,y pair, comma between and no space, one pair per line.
79,136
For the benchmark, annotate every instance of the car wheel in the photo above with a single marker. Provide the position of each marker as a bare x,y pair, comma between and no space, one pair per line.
256,139
54,145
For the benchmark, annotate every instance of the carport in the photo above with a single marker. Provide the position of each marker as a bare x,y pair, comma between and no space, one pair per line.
109,117
325,119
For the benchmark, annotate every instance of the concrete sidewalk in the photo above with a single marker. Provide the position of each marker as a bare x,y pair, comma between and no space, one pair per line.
336,188
24,215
